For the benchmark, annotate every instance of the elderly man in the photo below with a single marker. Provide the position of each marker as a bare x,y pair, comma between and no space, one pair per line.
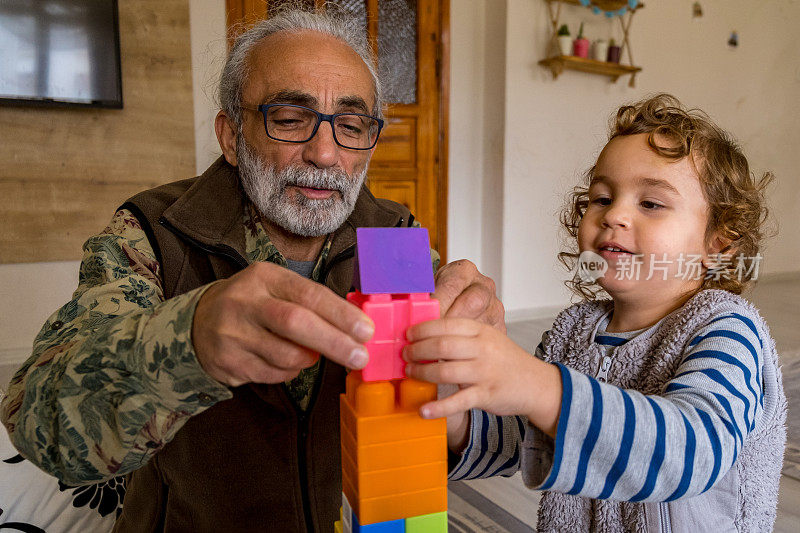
189,356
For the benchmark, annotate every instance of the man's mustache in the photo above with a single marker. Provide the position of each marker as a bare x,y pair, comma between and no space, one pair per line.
331,179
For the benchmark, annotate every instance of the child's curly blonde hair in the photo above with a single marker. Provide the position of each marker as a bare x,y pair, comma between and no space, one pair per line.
737,209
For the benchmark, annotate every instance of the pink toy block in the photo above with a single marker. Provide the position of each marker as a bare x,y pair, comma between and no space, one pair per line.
392,315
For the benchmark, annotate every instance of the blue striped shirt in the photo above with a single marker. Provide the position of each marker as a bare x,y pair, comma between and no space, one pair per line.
620,444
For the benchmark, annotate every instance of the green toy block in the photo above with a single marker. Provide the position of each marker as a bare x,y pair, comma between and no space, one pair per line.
427,523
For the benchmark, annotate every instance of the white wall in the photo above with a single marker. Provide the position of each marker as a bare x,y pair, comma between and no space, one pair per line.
207,21
477,118
553,130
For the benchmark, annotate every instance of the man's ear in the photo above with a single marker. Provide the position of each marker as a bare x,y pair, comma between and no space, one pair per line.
226,136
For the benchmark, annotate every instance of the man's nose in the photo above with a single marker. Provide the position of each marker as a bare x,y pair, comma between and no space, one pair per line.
322,150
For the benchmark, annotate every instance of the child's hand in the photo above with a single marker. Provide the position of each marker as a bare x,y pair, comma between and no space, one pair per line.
494,373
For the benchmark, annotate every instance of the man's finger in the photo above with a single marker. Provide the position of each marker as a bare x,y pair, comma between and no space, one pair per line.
473,302
279,352
451,280
327,304
306,328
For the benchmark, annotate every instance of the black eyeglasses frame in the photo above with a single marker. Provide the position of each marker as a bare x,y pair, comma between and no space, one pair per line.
321,117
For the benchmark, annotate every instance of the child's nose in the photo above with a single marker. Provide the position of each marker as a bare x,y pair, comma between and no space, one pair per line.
616,216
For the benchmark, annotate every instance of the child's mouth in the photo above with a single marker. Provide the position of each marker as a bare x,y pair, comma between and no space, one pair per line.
612,251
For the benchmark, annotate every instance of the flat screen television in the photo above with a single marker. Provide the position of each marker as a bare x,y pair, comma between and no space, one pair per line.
60,53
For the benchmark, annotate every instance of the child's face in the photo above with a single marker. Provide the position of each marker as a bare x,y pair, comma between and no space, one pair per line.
648,210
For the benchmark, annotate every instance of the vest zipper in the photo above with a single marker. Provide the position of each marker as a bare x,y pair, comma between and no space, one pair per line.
602,372
303,416
302,436
347,253
663,509
224,250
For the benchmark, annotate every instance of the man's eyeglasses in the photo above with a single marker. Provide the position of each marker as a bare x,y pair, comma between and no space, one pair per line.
297,124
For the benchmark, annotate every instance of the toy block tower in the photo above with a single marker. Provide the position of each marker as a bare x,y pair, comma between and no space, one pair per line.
394,463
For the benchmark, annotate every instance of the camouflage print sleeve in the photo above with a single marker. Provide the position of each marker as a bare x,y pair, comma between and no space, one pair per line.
113,374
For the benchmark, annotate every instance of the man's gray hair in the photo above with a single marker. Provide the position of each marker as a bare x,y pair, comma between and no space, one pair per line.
329,21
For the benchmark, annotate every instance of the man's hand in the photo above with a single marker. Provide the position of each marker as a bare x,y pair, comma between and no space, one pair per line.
266,323
463,292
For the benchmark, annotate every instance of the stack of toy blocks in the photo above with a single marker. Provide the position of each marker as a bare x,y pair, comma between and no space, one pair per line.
394,463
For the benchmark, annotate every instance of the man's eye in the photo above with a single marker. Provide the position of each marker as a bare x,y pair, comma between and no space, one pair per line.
350,129
350,125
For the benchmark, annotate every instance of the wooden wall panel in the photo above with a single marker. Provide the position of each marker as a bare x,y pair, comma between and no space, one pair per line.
402,192
397,144
64,171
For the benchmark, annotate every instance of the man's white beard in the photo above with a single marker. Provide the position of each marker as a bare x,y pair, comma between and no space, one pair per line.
296,213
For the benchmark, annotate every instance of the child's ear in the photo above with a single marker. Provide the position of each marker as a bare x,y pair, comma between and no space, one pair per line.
717,245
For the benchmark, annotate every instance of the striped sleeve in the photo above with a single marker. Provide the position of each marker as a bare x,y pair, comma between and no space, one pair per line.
620,444
494,446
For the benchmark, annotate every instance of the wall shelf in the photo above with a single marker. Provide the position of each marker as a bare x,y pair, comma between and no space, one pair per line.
557,65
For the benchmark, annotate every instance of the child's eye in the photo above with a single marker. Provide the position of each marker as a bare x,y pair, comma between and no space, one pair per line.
651,206
601,200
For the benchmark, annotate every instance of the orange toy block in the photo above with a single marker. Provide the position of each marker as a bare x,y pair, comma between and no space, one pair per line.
387,428
394,454
396,506
374,483
412,394
375,397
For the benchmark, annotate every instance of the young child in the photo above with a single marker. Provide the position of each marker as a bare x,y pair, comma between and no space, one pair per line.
661,408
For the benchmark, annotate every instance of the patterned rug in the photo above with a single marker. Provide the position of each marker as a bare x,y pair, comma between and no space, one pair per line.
469,511
791,384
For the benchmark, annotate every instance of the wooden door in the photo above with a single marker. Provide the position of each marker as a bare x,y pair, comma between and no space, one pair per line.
411,38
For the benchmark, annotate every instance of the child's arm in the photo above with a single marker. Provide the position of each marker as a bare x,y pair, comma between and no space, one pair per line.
610,442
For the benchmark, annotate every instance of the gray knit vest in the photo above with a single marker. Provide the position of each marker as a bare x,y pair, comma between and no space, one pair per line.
745,498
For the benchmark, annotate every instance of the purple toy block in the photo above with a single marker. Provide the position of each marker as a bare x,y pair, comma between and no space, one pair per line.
392,315
393,261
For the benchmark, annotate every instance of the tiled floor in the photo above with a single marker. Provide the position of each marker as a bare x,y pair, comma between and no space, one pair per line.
777,298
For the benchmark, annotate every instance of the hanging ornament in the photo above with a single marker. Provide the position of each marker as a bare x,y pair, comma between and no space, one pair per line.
697,10
611,8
